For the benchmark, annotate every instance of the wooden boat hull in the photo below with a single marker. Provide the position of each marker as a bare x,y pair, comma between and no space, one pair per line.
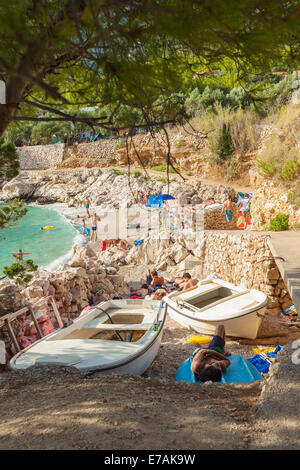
243,327
243,324
82,344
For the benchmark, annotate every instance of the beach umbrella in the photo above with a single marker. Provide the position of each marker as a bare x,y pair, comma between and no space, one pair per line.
165,197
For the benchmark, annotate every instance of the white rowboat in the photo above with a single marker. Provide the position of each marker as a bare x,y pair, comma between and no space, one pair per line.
213,302
117,336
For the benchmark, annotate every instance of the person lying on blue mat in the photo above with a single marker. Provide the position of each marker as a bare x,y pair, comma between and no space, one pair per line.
209,363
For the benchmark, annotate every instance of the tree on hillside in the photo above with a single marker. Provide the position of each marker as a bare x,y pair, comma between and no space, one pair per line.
20,269
11,212
59,55
9,161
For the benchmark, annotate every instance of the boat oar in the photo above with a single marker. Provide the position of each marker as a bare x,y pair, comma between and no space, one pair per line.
106,313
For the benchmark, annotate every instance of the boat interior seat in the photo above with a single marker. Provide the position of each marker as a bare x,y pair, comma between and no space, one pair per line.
118,326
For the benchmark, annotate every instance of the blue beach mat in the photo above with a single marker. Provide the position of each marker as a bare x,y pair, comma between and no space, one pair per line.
239,371
86,231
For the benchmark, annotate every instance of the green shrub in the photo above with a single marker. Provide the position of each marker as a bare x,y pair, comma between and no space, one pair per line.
231,170
220,142
282,144
179,143
164,180
297,204
116,172
9,160
159,168
279,223
288,170
120,144
19,271
266,168
243,130
292,196
136,174
11,212
190,173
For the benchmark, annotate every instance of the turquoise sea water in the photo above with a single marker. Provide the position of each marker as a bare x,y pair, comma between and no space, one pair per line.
48,248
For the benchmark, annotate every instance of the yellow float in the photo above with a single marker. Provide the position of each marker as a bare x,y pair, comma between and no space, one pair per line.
199,339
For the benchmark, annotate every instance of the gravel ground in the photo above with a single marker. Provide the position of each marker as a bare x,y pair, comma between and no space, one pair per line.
60,409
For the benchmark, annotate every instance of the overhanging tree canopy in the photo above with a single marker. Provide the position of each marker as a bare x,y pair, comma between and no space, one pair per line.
61,55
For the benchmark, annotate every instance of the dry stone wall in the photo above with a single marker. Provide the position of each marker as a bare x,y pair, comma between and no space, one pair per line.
150,152
90,155
87,155
270,199
214,218
245,258
40,157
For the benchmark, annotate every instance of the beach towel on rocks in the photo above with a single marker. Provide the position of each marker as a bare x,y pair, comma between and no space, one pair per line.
239,371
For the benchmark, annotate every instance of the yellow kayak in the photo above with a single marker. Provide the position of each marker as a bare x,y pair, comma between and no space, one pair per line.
47,227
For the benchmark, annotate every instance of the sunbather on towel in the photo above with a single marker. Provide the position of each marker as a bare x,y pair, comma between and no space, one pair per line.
157,295
153,280
186,282
208,364
124,245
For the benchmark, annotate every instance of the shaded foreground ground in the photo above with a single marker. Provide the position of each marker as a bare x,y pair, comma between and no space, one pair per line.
58,408
48,408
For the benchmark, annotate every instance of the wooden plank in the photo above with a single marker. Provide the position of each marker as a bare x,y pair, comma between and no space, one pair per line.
14,315
35,322
12,336
56,312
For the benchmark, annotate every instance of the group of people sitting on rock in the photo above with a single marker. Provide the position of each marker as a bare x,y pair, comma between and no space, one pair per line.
155,287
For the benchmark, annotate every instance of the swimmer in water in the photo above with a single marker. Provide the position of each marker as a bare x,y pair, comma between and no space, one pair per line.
20,254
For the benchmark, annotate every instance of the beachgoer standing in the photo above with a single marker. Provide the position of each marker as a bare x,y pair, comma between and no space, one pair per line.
160,218
95,220
87,206
142,198
244,206
228,208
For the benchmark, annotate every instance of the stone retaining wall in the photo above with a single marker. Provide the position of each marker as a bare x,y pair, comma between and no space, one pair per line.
269,199
40,157
90,155
246,259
